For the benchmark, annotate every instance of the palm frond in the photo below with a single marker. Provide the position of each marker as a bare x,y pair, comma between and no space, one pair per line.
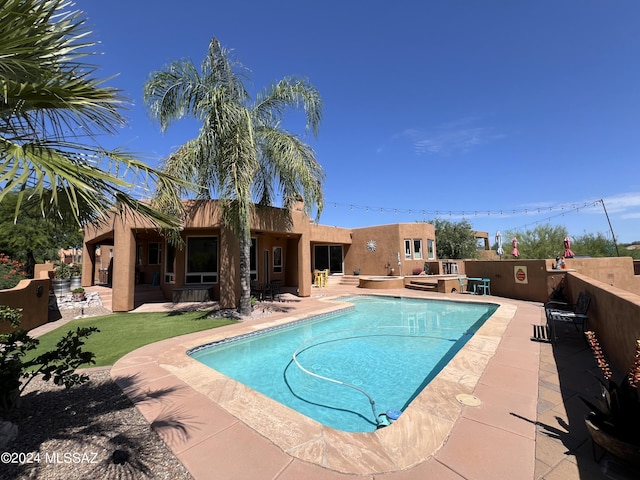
289,93
51,111
294,167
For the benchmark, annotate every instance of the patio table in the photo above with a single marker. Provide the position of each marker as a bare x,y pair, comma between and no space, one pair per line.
480,284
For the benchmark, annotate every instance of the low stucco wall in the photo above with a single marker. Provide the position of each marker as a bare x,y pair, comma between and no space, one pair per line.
614,314
504,283
33,297
615,271
541,278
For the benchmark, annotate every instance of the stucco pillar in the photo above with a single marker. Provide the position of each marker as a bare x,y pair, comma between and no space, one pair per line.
88,264
229,268
124,259
304,265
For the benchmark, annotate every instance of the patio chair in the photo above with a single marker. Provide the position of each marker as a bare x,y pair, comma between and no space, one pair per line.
275,290
324,277
560,312
464,285
257,290
484,287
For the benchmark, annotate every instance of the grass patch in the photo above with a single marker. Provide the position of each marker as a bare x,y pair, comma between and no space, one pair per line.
121,333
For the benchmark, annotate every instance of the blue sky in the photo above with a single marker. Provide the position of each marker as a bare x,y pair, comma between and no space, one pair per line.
510,114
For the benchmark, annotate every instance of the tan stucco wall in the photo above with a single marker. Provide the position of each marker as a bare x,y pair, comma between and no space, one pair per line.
33,297
390,242
615,271
43,270
503,280
542,278
614,314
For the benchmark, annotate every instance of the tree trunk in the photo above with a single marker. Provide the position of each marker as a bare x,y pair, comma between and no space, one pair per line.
244,239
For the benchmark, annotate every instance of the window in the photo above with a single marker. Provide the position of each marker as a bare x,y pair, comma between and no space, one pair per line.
202,260
277,259
430,250
407,248
417,249
154,253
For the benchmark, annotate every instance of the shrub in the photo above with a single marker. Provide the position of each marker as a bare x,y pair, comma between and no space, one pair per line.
11,272
59,364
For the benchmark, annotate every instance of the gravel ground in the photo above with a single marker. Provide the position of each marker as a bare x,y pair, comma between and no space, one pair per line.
76,432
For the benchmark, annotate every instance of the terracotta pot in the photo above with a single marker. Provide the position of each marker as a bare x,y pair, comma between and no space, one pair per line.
609,442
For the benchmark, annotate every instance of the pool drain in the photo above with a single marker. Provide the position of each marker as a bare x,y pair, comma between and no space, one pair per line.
468,400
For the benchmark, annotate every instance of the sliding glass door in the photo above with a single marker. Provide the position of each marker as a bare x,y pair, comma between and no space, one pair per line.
328,257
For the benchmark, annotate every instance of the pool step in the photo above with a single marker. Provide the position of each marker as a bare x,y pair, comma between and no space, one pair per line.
423,286
349,280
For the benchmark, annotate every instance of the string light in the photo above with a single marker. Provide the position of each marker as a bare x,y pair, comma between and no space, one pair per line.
462,213
561,209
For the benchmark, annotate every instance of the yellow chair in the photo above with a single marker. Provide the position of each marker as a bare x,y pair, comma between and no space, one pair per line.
325,277
317,278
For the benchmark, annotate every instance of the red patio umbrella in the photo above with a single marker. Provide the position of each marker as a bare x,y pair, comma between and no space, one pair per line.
514,243
567,247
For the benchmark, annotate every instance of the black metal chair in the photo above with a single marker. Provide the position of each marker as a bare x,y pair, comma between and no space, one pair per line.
275,290
257,290
559,312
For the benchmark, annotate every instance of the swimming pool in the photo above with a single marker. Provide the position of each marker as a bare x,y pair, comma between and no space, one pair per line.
350,368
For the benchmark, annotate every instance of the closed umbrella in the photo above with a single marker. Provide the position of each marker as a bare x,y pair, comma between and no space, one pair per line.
514,244
500,251
567,247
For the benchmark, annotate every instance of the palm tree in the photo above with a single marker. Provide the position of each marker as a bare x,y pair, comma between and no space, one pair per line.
51,111
241,153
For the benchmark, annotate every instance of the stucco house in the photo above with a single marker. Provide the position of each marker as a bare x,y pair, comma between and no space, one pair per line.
284,247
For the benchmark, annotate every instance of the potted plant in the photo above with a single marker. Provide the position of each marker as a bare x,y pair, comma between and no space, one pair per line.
78,294
614,423
75,272
356,271
61,279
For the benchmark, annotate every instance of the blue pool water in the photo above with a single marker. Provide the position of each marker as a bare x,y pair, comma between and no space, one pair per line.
344,370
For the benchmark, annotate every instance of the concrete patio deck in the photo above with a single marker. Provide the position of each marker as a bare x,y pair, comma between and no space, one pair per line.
529,424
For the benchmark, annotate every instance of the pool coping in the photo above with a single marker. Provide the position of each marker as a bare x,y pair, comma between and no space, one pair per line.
415,437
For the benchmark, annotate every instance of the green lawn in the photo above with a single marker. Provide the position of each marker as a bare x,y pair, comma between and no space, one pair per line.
121,333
